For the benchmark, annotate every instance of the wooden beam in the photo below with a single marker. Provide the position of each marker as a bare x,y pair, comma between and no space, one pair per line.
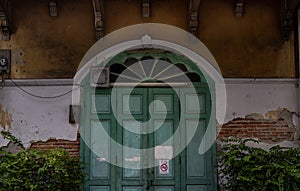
98,14
194,16
5,14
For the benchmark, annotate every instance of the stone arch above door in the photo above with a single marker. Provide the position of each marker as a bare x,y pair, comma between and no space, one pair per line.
164,37
161,36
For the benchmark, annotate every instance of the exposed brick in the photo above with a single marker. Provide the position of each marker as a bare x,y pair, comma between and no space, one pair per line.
73,147
265,130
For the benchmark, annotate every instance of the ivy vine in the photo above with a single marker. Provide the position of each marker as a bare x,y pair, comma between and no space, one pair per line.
245,168
36,170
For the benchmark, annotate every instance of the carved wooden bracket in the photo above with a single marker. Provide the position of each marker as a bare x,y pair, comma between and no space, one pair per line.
239,8
53,8
5,13
194,16
146,8
98,13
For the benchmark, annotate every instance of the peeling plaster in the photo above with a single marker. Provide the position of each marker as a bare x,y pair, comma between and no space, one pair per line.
32,119
268,146
5,118
261,98
279,114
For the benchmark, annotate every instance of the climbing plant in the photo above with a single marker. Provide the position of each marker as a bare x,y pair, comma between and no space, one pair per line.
35,170
244,168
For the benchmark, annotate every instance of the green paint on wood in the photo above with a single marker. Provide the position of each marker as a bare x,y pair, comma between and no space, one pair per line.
187,171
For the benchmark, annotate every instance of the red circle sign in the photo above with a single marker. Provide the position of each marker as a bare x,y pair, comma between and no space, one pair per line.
164,167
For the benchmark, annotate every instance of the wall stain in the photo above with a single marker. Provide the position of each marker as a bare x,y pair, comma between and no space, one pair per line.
5,118
282,114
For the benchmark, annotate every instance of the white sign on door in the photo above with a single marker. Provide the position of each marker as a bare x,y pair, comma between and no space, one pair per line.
163,152
164,167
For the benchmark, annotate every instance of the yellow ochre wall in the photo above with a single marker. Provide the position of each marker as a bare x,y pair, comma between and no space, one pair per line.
52,47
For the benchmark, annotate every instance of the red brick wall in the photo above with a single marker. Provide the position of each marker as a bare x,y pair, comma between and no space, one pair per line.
72,147
265,130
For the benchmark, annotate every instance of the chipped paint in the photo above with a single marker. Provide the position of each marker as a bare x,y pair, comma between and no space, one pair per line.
262,98
257,126
33,119
5,118
283,114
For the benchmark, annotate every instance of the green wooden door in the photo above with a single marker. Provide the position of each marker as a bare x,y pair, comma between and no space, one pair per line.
145,122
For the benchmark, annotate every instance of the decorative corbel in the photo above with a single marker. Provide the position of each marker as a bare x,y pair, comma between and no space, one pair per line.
53,8
5,13
145,8
194,16
286,21
98,13
239,8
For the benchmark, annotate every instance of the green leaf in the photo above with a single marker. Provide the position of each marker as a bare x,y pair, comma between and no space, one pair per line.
247,168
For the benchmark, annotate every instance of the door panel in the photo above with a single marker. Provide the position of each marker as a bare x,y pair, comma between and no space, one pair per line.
131,112
132,104
164,122
196,188
131,188
195,162
167,99
99,188
137,124
100,168
132,158
100,103
164,149
164,188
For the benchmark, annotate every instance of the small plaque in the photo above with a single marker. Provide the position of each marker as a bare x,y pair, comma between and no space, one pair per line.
164,152
164,167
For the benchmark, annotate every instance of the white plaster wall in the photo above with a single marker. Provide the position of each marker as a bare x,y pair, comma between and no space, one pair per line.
35,119
248,96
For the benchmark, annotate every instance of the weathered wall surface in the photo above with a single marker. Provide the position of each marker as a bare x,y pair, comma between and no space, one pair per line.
120,13
247,46
49,47
269,115
260,96
52,47
32,119
73,147
265,109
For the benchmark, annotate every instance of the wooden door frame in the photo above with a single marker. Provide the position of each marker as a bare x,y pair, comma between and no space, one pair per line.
83,116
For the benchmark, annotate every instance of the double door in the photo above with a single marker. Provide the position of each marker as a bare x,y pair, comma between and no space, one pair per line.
146,139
